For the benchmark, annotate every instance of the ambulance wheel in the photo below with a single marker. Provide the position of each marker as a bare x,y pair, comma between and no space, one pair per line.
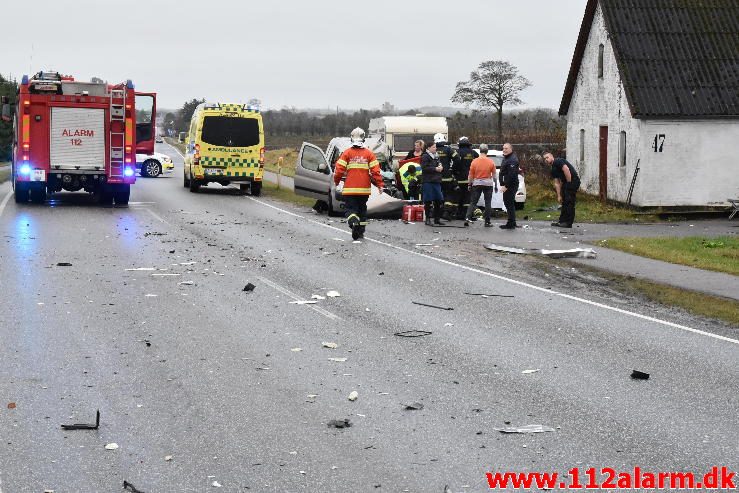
21,193
243,188
151,168
185,181
121,194
330,202
194,185
38,195
256,188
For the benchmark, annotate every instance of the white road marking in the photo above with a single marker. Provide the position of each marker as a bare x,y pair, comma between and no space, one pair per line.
156,216
2,208
295,297
513,281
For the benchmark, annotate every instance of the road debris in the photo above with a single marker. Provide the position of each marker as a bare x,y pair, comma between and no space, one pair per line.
330,345
85,426
129,487
216,484
448,324
186,283
527,372
111,446
639,375
415,406
167,458
337,360
339,423
424,244
333,294
485,295
317,297
296,349
413,333
141,269
63,264
353,396
432,306
11,405
567,253
249,287
303,302
525,429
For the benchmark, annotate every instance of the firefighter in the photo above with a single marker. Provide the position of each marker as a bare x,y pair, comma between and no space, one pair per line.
362,169
448,158
461,171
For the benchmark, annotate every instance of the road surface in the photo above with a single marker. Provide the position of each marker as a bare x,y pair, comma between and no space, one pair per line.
201,384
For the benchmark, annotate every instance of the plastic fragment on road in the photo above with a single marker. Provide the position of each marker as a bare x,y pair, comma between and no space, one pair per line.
353,396
432,306
186,283
448,324
330,345
63,264
639,375
498,248
424,244
130,487
337,360
296,349
141,269
150,295
249,287
415,406
487,295
11,405
333,294
216,484
111,446
527,372
167,458
85,426
525,429
317,297
339,423
566,253
303,302
413,333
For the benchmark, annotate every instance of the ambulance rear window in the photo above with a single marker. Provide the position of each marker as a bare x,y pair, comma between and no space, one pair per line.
230,131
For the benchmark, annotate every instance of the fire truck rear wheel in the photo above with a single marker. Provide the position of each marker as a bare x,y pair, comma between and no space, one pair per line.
256,188
21,193
38,195
121,194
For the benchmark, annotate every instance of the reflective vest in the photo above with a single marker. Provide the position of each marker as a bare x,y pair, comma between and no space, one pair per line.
361,169
404,171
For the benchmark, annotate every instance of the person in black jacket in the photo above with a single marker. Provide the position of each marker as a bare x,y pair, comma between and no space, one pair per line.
461,170
448,158
509,184
431,169
566,183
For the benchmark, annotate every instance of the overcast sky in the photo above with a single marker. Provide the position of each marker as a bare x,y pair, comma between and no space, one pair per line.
319,54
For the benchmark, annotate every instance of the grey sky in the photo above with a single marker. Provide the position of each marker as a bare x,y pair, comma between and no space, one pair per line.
320,53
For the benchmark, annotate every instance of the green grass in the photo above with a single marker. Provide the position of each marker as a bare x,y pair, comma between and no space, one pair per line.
285,195
589,209
4,172
719,254
289,160
180,146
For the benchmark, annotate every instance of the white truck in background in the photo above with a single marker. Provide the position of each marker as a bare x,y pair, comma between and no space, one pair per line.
400,132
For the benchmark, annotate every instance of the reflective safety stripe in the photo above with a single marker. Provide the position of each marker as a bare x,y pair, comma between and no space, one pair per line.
341,161
374,163
363,223
356,191
449,203
358,166
447,179
463,182
353,216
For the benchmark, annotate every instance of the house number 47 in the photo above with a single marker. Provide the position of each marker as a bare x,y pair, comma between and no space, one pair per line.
659,142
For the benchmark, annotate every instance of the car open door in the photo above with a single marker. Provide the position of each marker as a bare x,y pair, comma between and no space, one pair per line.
312,174
146,118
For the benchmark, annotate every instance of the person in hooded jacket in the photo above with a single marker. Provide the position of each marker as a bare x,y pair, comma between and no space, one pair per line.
509,184
460,171
432,169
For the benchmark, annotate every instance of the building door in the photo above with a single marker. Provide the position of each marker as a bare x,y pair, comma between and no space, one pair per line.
603,163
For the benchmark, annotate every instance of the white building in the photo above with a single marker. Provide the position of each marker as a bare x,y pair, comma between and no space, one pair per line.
656,84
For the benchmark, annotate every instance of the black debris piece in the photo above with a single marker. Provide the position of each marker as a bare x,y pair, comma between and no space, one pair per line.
171,251
85,426
639,375
491,295
155,233
413,333
416,406
339,423
432,306
147,342
129,487
249,288
63,264
381,274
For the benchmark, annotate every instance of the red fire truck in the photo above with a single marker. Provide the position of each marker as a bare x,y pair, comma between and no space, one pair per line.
71,135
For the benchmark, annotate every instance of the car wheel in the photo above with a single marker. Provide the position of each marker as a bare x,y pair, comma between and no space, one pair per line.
151,168
256,188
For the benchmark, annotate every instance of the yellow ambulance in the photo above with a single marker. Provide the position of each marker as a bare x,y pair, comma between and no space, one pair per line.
225,145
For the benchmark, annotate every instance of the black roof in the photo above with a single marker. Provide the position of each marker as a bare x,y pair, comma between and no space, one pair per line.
677,58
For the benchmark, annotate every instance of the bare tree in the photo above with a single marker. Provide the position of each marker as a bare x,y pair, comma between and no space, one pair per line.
494,84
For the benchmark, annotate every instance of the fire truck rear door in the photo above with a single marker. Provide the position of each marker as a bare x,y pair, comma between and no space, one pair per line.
77,138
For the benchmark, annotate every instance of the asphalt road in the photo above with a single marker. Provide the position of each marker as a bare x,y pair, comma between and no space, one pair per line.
238,389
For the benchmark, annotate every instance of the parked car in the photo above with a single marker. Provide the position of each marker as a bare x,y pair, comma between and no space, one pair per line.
153,165
159,139
314,175
497,202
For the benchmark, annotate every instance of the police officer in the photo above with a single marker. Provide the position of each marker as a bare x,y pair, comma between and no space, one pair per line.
448,157
460,172
509,184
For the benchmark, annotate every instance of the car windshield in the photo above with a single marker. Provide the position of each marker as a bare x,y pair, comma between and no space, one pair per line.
230,131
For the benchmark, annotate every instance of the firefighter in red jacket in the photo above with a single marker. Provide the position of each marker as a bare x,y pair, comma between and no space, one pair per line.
362,169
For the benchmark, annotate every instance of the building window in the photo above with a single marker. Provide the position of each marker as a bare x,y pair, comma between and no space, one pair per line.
582,145
622,149
600,61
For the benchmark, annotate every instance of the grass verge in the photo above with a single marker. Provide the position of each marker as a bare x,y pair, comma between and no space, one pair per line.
180,146
289,161
270,190
719,254
705,305
4,172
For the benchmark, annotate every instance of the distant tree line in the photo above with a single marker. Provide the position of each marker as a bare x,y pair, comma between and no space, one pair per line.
7,88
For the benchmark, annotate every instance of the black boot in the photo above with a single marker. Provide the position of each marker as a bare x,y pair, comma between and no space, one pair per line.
427,214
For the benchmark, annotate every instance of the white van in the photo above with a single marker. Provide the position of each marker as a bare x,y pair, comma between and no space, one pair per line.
400,132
